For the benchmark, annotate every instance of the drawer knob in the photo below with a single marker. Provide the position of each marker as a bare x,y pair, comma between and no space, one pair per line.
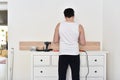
41,60
95,71
41,71
95,60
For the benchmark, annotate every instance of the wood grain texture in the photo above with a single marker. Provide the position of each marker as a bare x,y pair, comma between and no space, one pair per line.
27,45
4,53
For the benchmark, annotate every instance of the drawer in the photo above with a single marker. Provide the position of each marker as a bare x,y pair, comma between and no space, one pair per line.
53,71
93,71
45,71
41,60
93,60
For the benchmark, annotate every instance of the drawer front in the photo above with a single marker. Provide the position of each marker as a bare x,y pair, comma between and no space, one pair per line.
45,71
41,60
93,71
93,60
53,71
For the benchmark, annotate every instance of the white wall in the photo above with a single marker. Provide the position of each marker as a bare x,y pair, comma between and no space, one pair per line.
35,20
111,37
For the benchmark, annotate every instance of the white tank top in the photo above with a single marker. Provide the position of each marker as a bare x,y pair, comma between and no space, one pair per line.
69,33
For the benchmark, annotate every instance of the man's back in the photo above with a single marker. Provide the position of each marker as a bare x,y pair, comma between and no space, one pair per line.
69,34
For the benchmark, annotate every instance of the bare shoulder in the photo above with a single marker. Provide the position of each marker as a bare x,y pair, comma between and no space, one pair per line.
81,27
58,23
57,26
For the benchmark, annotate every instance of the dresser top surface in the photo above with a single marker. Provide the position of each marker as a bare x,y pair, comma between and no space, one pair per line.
57,53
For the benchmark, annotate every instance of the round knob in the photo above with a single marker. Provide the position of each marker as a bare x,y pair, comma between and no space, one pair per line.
95,60
95,71
41,71
41,60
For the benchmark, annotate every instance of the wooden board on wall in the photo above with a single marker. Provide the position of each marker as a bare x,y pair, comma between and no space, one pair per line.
27,45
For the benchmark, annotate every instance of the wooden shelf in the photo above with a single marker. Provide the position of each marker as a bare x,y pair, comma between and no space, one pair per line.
4,53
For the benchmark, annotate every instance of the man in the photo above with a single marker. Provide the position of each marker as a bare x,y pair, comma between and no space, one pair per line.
69,35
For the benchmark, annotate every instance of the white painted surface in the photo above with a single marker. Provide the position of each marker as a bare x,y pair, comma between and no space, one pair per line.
111,37
43,71
23,63
3,69
21,70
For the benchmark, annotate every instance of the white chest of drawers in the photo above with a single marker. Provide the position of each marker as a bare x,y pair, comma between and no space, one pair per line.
45,66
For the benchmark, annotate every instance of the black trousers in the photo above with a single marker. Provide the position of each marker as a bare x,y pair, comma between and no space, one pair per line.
69,60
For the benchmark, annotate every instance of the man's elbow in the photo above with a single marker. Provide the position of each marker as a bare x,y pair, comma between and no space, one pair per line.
82,43
55,41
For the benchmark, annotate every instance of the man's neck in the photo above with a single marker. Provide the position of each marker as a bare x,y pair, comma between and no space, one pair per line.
70,19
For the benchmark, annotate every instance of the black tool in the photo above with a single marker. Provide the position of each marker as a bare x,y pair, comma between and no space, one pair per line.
46,47
47,44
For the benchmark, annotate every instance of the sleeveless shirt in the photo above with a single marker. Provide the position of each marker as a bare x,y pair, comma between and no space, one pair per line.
69,34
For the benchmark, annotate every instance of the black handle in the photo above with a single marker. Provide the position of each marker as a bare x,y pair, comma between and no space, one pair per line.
47,44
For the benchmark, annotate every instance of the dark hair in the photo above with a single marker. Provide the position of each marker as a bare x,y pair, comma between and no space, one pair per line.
69,12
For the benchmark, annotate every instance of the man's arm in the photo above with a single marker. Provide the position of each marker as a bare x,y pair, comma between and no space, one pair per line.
56,37
82,40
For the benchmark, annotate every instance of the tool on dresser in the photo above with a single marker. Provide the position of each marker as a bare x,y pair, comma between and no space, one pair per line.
46,49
